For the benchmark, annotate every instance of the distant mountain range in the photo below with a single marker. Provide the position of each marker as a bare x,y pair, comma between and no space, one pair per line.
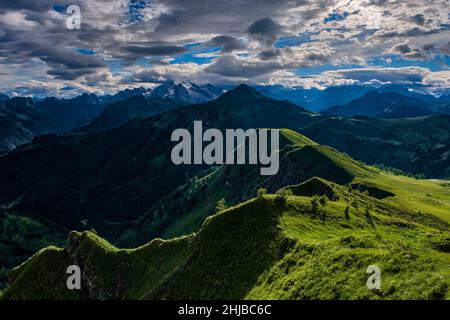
389,105
91,113
186,92
182,93
315,99
22,119
63,115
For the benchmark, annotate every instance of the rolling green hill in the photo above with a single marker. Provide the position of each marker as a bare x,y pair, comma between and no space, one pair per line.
314,241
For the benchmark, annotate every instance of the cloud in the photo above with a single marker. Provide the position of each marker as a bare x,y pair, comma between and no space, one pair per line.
402,48
404,76
37,6
232,66
419,19
162,39
407,52
158,50
228,44
265,30
438,80
271,60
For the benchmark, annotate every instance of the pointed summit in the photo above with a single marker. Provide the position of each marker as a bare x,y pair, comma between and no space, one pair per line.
242,92
245,89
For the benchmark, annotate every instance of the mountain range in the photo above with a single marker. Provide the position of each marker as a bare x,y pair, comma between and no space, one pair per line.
23,119
389,105
90,112
121,183
316,99
184,92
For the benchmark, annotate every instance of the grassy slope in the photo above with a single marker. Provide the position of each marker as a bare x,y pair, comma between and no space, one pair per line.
315,160
268,248
260,249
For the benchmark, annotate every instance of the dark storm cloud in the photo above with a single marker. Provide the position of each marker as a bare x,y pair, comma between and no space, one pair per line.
402,48
265,30
419,19
62,73
412,53
66,58
63,62
227,44
162,50
171,20
269,54
264,26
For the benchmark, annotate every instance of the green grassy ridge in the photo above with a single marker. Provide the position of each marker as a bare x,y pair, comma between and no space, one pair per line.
300,159
111,273
232,182
273,247
141,270
268,248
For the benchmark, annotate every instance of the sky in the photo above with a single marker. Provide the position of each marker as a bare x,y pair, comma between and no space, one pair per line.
294,43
